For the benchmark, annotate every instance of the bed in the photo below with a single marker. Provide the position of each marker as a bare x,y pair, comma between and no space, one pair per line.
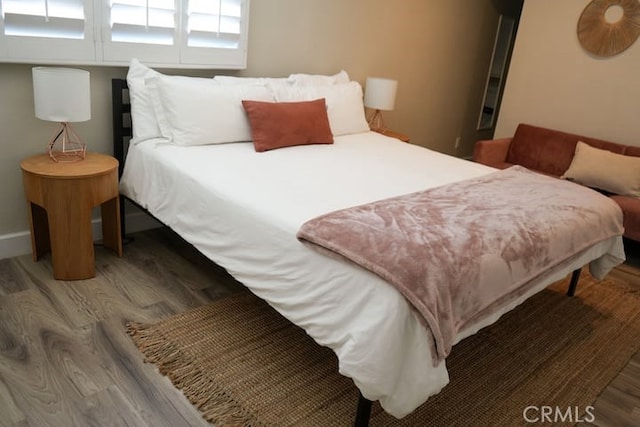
243,209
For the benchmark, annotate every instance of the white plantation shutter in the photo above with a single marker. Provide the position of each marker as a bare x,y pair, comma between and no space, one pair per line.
143,21
144,29
49,29
172,33
215,28
42,18
214,23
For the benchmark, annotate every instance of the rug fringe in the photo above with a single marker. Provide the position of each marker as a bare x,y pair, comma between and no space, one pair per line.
595,334
215,405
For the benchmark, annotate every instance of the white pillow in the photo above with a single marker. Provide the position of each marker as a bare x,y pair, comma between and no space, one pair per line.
345,107
234,80
318,79
199,113
143,116
143,94
605,170
151,84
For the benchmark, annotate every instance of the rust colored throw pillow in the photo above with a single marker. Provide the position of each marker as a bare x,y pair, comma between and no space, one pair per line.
285,124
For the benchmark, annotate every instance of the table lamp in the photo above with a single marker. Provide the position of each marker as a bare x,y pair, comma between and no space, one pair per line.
63,95
380,95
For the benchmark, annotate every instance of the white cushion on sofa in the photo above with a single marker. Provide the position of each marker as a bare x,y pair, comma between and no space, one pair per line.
605,170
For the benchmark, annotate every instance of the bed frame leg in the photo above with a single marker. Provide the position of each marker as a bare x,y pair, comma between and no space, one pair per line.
364,405
575,276
123,227
364,412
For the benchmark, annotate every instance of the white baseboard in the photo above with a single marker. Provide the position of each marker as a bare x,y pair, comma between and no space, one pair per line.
16,244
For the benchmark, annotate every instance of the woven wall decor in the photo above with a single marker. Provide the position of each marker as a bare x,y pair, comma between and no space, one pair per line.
603,38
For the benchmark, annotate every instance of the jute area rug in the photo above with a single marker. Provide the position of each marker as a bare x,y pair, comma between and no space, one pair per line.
242,364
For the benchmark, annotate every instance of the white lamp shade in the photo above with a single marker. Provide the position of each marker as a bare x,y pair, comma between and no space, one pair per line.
61,94
380,94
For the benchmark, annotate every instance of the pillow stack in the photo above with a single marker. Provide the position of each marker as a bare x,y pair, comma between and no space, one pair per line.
270,112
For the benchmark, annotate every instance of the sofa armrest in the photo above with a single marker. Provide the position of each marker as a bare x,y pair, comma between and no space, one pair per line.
492,152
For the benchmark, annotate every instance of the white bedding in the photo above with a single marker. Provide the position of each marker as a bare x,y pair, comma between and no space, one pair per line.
242,209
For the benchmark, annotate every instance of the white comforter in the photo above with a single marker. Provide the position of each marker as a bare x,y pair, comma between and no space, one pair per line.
242,209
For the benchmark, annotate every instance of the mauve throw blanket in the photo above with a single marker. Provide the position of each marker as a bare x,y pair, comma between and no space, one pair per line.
457,250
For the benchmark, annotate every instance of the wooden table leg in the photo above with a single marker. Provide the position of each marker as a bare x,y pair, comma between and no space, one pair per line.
39,224
111,237
72,252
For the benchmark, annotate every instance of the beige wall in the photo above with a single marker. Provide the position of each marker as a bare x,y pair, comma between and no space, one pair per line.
554,83
439,51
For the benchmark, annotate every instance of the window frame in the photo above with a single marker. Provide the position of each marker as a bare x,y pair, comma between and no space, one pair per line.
96,49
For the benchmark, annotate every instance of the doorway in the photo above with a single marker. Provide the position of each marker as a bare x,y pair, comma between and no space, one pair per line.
506,30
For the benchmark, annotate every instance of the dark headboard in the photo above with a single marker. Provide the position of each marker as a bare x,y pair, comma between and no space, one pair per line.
122,131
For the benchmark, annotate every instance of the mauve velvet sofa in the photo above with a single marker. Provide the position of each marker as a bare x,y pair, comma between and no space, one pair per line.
550,152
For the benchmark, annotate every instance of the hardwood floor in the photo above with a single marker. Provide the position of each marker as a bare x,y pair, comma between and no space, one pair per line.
65,359
619,404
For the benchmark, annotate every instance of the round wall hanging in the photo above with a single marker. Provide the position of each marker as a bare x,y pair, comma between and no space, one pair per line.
608,27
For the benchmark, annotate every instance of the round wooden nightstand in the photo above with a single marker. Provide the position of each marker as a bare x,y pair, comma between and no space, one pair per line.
60,198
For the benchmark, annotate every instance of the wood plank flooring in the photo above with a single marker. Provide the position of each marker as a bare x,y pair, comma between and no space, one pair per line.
65,359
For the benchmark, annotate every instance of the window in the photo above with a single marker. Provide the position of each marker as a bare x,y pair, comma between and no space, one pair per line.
173,33
46,30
